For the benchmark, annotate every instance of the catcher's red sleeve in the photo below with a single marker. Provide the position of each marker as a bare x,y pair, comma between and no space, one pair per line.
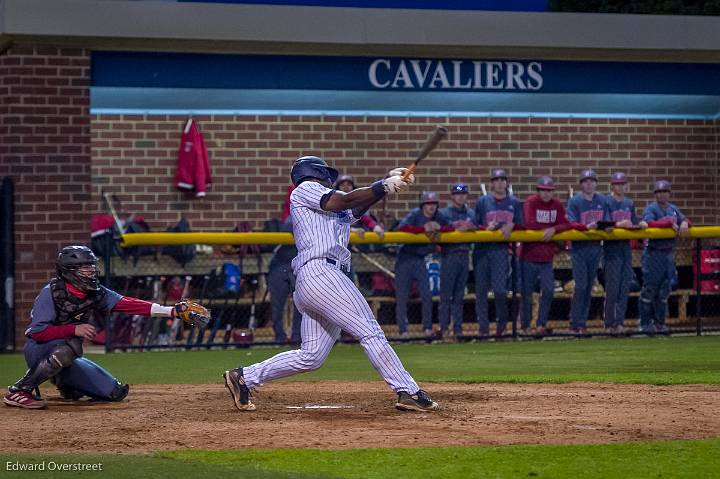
130,305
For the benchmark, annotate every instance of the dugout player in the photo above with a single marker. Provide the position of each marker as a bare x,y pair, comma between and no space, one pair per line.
618,255
658,262
586,207
541,211
61,318
410,263
491,264
454,267
327,299
281,283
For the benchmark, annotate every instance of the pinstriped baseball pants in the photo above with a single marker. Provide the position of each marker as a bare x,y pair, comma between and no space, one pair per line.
329,303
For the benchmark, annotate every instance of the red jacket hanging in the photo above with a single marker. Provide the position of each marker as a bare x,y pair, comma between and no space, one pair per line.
193,169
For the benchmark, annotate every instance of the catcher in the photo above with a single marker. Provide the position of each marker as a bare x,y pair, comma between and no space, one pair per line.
62,318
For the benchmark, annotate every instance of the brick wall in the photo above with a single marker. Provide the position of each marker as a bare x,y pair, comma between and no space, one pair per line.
45,148
60,157
250,157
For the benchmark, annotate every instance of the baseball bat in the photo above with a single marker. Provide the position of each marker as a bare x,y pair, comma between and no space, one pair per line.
109,201
432,143
374,263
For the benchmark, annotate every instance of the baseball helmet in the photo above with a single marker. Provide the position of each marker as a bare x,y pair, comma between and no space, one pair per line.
618,178
459,188
307,167
68,264
429,197
498,173
343,178
588,175
661,185
545,183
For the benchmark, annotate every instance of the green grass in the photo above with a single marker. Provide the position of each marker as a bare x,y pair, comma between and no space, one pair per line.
665,360
675,360
674,459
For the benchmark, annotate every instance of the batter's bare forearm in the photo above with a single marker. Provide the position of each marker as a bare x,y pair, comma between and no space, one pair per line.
359,211
361,198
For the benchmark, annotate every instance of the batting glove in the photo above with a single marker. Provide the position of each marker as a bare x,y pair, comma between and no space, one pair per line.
395,184
399,172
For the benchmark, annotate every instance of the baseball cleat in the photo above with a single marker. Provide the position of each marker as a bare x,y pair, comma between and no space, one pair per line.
420,401
23,399
235,382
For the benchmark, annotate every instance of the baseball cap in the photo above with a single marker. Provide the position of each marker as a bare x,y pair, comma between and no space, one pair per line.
498,173
429,197
662,185
545,183
459,188
588,175
618,178
343,178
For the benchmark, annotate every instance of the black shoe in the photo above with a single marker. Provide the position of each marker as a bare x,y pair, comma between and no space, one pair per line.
420,401
235,382
70,394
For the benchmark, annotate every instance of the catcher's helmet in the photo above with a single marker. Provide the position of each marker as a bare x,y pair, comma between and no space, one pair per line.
69,262
307,167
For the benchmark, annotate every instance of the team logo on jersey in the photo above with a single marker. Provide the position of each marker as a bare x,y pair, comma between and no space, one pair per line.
545,216
591,216
343,217
620,215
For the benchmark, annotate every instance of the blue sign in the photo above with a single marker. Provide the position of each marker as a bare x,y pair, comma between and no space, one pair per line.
393,74
497,5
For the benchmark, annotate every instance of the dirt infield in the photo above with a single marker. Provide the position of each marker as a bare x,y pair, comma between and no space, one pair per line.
156,417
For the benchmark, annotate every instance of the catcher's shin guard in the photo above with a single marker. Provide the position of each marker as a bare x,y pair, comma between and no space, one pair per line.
60,357
235,382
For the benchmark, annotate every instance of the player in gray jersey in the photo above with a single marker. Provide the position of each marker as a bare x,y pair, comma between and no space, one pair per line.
326,297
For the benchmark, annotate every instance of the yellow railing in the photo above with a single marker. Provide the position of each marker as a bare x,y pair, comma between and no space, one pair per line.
136,239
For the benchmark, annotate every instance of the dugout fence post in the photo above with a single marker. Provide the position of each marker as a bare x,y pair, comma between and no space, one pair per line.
513,284
107,260
7,265
698,287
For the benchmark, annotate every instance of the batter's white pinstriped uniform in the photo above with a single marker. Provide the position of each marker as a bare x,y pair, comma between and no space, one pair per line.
327,298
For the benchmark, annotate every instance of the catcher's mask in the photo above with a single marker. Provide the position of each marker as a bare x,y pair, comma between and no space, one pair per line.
78,266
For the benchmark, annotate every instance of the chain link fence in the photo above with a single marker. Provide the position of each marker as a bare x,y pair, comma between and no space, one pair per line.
249,293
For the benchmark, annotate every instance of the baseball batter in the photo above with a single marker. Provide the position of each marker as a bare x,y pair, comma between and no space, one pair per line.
328,300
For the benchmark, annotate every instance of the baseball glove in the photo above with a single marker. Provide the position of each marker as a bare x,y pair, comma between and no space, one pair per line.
192,313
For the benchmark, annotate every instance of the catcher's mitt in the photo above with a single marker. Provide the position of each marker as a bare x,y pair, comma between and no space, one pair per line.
192,313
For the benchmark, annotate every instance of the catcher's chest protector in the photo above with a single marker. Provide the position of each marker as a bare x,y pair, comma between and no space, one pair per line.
70,309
